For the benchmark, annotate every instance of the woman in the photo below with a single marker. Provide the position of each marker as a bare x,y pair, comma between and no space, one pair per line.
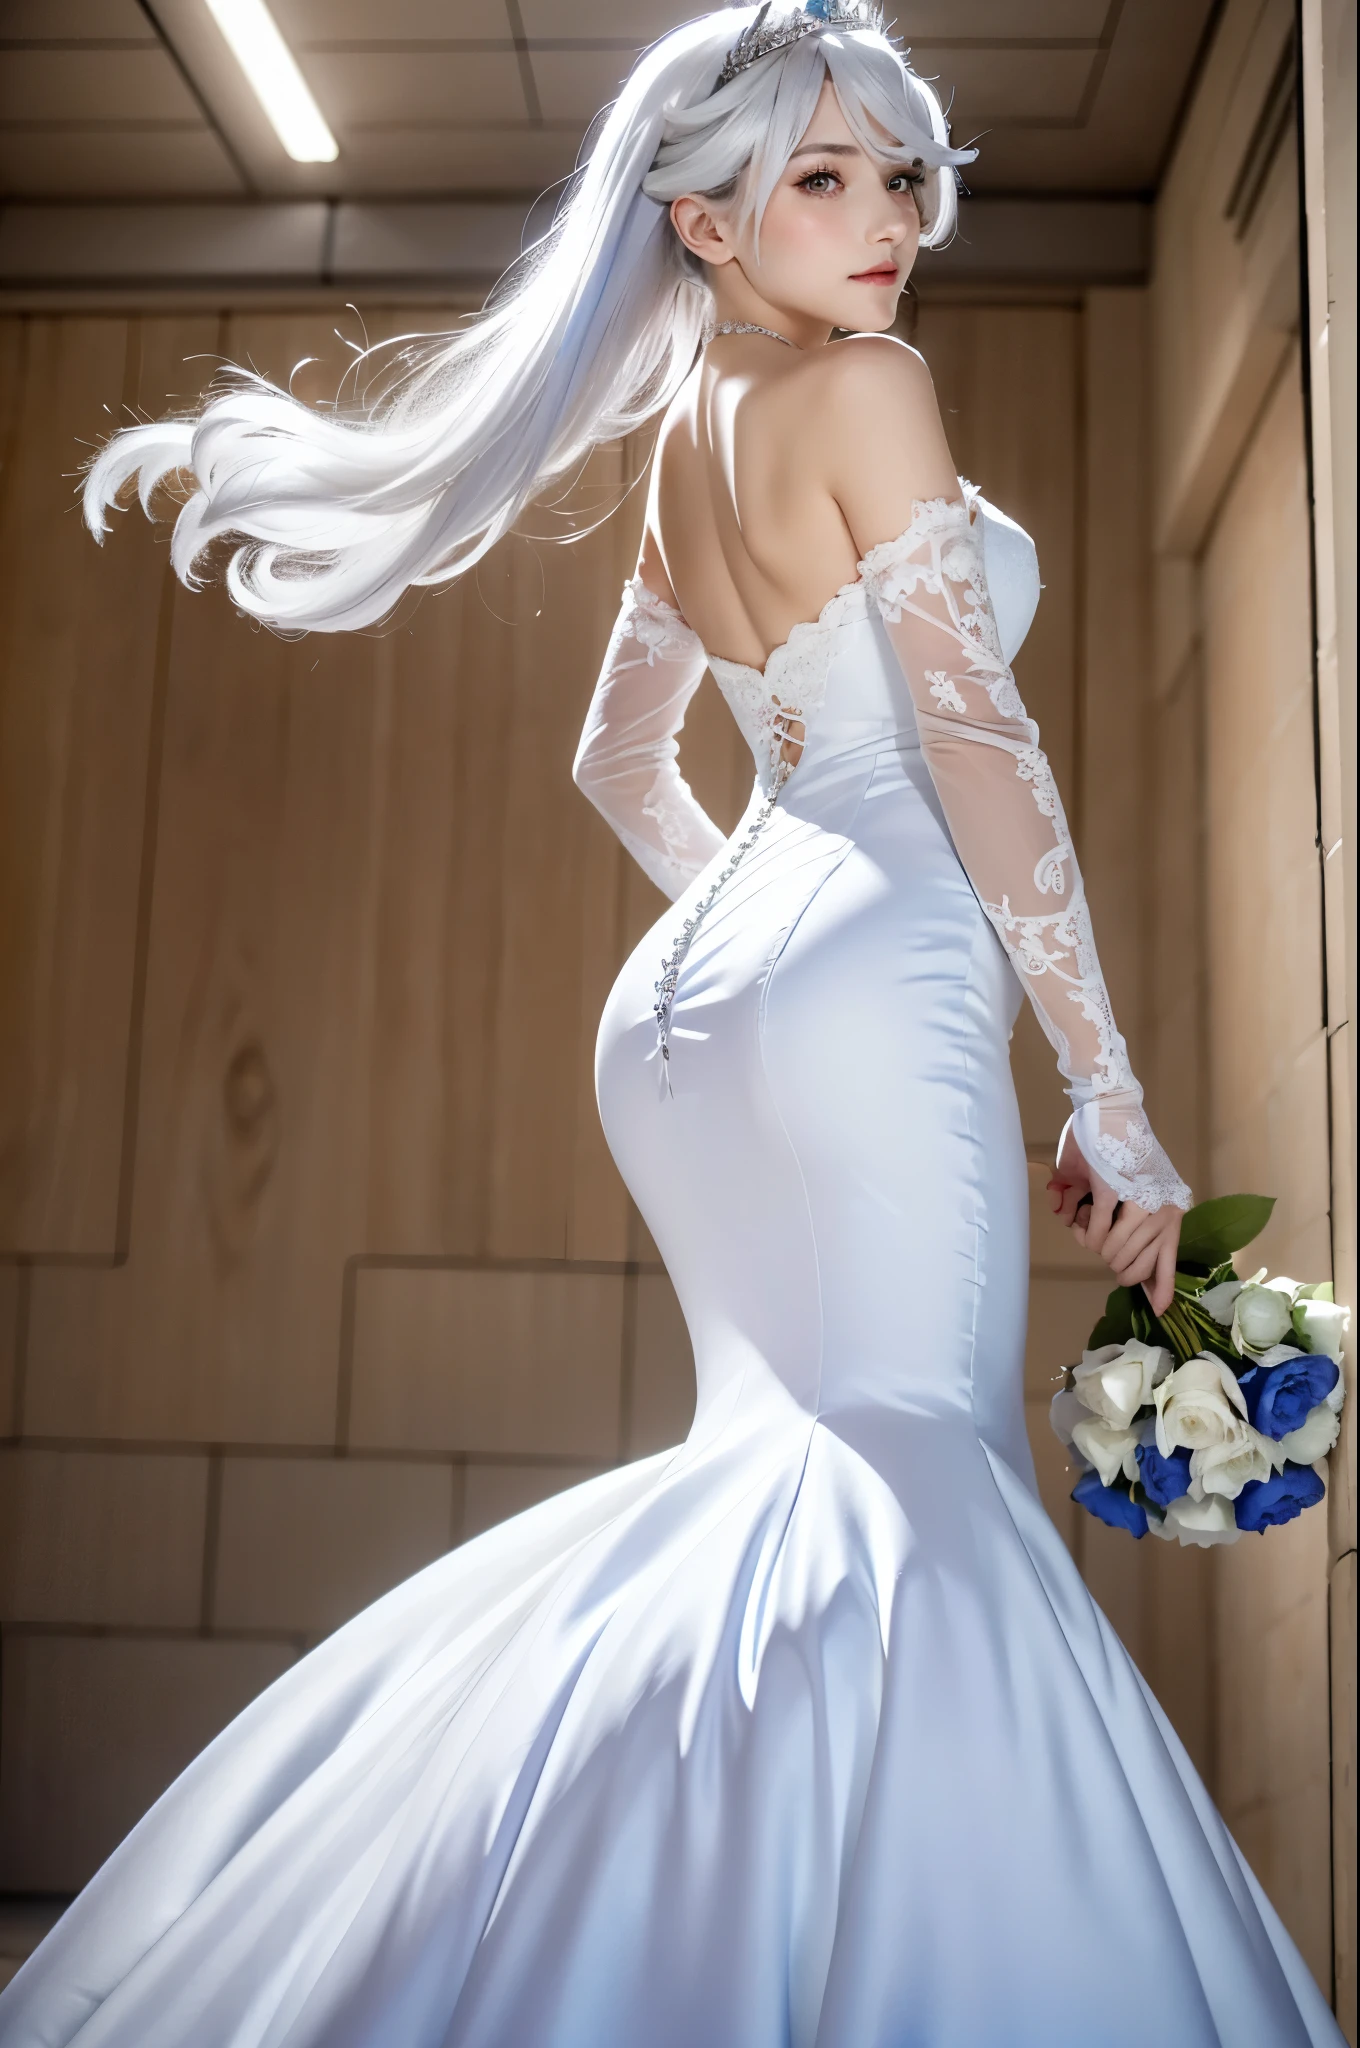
807,1732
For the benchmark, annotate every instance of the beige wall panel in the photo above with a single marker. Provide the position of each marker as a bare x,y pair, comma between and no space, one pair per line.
434,954
224,1325
12,1284
1274,1782
1224,302
1176,1632
95,1729
1061,1314
661,1398
547,918
1113,766
304,1543
1268,1092
87,1537
1268,1121
1112,1565
715,759
495,1492
1175,1014
78,633
500,1362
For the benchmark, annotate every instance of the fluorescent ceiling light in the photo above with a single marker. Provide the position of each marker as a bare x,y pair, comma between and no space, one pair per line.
278,85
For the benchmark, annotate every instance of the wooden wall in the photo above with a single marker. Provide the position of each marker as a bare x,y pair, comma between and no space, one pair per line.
1243,1013
314,1261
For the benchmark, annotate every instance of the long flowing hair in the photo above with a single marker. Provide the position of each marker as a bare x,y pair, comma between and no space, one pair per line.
329,515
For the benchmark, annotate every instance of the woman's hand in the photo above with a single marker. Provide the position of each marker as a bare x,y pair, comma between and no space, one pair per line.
1137,1245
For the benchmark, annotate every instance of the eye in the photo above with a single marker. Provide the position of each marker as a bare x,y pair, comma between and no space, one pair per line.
904,181
823,179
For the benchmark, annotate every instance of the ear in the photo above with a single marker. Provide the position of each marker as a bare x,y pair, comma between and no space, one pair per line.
701,231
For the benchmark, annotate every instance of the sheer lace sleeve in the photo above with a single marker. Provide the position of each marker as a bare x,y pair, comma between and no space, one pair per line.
626,762
1007,821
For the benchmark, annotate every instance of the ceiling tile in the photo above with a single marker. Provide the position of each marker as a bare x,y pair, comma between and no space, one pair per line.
956,21
60,164
1001,88
93,85
406,87
629,21
66,20
395,21
573,85
456,159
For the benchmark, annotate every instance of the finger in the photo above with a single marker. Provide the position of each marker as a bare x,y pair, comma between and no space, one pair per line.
1068,1203
1130,1226
1137,1266
1056,1191
1099,1218
1164,1284
1127,1242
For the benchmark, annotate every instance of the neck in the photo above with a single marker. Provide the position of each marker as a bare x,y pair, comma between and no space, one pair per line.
735,299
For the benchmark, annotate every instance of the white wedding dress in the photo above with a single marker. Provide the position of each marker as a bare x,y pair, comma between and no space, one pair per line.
806,1732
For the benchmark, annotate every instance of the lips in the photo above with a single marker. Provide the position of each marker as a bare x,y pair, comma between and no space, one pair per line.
885,274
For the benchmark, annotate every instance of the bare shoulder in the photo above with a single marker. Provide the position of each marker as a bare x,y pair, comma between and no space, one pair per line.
882,438
867,369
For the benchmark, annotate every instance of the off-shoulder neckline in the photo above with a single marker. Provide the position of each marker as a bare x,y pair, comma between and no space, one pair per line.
857,588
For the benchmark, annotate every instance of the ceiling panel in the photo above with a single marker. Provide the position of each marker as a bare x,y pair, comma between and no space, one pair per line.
92,85
398,21
637,21
1003,88
61,20
190,164
400,87
963,21
457,159
573,85
1075,95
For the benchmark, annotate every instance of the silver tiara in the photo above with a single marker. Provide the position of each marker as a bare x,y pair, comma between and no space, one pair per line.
758,40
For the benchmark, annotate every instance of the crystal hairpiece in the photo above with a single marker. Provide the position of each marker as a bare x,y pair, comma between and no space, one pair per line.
759,40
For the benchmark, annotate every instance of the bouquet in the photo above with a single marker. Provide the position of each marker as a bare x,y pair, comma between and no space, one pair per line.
1212,1418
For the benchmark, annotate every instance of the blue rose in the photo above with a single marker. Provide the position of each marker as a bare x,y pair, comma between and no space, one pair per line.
1282,1397
1164,1479
1110,1504
1265,1503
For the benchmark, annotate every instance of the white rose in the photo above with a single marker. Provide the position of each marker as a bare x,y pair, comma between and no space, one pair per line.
1219,1301
1225,1467
1197,1405
1111,1451
1117,1380
1261,1316
1064,1412
1314,1436
1321,1325
1201,1522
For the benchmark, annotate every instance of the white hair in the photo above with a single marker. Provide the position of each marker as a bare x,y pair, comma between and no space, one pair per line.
332,514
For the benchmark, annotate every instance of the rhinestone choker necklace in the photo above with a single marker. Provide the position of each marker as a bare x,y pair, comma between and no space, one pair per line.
746,327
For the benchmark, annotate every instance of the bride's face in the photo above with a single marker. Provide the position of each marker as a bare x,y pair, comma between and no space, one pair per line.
837,240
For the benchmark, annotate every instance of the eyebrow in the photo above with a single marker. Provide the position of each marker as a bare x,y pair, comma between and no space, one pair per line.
827,149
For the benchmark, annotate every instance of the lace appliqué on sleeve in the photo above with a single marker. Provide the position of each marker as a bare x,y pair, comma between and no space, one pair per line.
1008,824
626,761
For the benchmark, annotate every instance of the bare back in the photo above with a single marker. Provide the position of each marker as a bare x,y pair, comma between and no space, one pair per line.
747,526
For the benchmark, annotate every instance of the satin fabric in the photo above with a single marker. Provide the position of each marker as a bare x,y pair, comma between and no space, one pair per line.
806,1734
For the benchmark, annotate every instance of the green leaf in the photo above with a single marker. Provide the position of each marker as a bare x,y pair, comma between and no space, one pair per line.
1212,1231
1116,1325
1146,1328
